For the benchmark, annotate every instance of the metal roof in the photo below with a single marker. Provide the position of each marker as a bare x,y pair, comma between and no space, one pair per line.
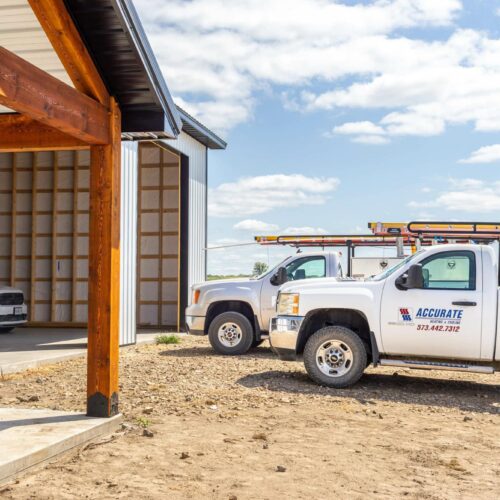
118,44
201,133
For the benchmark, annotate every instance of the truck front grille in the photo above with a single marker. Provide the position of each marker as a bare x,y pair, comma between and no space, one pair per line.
11,299
5,318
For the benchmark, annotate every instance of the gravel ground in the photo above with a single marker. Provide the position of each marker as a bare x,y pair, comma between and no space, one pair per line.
199,425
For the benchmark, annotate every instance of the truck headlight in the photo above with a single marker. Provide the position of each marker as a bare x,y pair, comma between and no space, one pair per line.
196,296
288,304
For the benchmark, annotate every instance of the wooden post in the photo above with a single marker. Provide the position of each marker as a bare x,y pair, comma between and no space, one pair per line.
104,273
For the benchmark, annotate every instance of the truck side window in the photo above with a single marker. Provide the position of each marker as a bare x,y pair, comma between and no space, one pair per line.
306,267
450,271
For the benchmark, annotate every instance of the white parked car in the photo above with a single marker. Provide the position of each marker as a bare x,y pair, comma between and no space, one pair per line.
235,313
438,309
13,310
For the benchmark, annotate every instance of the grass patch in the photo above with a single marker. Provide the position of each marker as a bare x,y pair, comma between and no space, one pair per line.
168,339
143,422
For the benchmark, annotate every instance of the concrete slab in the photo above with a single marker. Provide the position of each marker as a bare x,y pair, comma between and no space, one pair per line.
26,348
29,437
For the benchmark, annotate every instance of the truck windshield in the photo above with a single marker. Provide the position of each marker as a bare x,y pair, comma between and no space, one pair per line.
269,271
393,269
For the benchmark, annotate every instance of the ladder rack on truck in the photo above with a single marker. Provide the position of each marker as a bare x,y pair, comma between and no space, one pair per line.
349,241
440,231
414,234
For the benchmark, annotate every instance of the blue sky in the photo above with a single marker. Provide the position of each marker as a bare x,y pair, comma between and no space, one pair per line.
336,113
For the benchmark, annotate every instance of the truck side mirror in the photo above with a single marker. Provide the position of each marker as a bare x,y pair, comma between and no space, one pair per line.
279,277
414,278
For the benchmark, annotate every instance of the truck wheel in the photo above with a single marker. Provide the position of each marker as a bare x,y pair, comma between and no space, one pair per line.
6,329
335,356
231,333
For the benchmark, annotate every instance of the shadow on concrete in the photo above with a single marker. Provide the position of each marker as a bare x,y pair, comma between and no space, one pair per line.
46,347
461,394
7,424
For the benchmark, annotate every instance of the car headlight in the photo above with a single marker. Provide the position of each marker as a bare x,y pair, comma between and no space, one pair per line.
288,304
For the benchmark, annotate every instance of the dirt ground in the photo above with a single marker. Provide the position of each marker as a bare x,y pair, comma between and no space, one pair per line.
253,427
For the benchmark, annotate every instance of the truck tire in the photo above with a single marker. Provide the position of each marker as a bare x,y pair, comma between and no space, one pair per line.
6,329
335,356
231,333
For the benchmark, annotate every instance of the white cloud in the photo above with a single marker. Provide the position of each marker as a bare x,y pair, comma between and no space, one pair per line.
366,132
433,84
371,139
364,128
261,194
255,226
226,52
486,154
466,195
305,230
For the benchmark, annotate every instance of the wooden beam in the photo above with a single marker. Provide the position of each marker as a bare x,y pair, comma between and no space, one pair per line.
68,45
74,243
20,133
34,186
104,274
53,284
13,246
33,92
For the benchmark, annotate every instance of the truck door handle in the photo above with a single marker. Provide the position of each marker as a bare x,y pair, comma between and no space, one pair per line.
464,303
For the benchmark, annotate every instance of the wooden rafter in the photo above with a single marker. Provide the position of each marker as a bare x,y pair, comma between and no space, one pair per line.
20,133
33,92
68,45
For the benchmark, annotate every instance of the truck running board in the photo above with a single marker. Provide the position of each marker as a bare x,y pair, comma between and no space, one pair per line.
437,365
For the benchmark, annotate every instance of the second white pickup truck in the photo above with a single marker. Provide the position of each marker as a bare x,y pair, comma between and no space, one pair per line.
437,309
235,313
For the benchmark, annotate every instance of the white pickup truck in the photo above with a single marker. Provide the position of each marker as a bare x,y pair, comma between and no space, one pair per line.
235,313
13,310
437,309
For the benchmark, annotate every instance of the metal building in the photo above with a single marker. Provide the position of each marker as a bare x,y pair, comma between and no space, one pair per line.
44,229
44,194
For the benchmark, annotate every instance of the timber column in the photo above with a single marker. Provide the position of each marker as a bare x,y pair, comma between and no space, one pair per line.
104,273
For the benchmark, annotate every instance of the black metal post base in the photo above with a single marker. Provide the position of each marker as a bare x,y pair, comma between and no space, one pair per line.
98,405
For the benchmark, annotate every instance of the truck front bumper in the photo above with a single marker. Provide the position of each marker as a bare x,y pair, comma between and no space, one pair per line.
13,315
195,325
283,334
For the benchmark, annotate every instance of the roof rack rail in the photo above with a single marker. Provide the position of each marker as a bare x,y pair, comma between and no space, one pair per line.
336,240
474,231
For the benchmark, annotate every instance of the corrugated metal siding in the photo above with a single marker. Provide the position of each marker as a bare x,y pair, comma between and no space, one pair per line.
197,154
128,227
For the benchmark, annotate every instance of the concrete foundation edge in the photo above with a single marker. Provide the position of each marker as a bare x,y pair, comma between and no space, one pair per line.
10,470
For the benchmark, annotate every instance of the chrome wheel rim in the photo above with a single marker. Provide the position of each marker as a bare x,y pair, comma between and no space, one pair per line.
229,334
334,358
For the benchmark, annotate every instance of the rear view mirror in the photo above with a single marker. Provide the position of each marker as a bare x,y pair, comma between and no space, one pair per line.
279,277
414,278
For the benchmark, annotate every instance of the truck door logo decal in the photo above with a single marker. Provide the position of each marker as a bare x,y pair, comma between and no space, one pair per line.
431,319
405,314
